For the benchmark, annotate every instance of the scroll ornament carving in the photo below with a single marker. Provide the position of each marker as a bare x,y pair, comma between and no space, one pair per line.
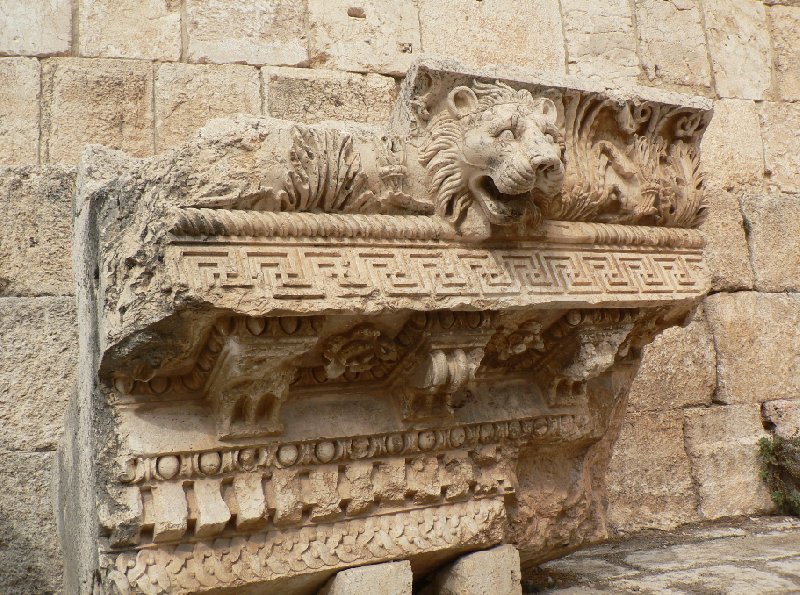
309,347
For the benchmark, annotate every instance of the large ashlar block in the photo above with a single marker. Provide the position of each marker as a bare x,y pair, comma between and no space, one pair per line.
380,36
739,44
31,555
601,41
667,57
649,477
19,110
254,32
722,443
784,23
495,571
35,27
390,578
311,347
130,29
757,345
484,33
773,222
314,95
95,101
726,250
38,356
36,216
733,152
189,95
678,369
779,121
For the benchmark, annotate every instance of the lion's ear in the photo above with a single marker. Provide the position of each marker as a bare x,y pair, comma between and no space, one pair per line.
547,108
461,101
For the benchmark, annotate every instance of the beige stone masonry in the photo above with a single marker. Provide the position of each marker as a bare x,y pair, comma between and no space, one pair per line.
779,125
726,249
484,33
677,369
189,95
493,571
732,148
389,578
722,443
95,101
254,32
130,29
38,355
774,234
314,95
601,41
784,23
782,417
758,347
36,214
378,36
33,564
19,110
35,27
649,477
666,56
739,44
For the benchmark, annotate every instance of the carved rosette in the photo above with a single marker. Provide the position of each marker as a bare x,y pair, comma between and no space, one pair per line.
313,347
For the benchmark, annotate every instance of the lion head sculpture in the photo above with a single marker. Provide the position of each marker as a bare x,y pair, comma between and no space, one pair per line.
494,145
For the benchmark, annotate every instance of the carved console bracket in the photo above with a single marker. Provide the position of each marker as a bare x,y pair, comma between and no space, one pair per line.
305,348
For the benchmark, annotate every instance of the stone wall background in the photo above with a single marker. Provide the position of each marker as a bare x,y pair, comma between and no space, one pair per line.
142,76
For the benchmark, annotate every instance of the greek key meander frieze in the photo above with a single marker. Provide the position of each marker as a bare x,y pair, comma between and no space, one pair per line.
311,347
326,273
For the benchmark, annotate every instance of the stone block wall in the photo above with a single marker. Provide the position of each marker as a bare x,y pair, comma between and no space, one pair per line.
144,76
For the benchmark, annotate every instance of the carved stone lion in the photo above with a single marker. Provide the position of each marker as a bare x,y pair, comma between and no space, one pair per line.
494,146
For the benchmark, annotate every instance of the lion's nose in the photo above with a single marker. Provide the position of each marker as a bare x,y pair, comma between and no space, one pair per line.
546,163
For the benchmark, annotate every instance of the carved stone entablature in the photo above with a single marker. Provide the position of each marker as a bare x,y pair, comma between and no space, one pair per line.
305,348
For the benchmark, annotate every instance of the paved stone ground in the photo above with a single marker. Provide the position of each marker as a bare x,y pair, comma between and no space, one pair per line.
749,556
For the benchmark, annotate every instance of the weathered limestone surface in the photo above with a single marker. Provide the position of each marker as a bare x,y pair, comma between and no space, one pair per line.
379,36
37,377
601,42
667,57
100,101
372,342
756,555
35,27
189,95
492,571
314,95
758,347
782,417
481,33
677,369
726,250
732,149
738,41
722,443
784,23
130,29
779,121
256,32
649,477
774,232
36,216
19,110
389,578
30,556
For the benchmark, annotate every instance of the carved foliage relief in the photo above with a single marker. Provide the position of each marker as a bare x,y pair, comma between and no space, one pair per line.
314,347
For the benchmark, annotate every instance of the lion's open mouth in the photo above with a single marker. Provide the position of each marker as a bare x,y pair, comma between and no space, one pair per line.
499,206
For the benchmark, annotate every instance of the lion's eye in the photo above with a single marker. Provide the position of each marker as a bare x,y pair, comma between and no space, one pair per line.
506,135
